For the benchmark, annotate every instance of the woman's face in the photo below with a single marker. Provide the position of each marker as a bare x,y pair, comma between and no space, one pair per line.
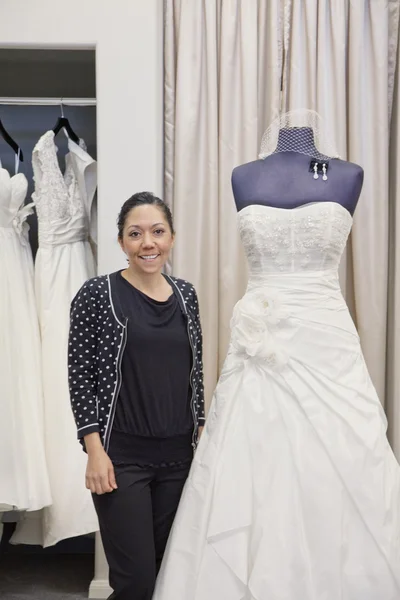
147,239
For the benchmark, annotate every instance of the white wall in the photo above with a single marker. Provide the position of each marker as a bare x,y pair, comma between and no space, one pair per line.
127,35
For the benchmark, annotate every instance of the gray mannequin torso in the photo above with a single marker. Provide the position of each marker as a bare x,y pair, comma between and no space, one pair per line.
284,179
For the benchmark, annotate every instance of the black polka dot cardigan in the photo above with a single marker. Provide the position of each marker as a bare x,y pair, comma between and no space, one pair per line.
97,339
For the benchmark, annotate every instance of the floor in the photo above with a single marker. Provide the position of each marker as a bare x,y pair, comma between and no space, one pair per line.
45,577
61,572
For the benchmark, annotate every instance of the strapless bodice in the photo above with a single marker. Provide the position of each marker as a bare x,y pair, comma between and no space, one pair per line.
12,196
307,239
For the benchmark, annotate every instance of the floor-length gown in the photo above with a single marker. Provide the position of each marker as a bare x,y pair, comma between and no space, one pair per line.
24,483
64,262
294,493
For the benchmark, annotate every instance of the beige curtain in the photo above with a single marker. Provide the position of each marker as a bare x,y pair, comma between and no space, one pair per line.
223,64
338,65
348,52
393,329
225,61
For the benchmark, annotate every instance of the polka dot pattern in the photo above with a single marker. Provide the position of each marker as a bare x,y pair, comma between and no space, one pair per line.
96,343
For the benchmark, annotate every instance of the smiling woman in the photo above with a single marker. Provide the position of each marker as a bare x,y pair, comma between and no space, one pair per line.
146,235
136,387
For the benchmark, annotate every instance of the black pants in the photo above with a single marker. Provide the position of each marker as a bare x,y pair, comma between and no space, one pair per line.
135,521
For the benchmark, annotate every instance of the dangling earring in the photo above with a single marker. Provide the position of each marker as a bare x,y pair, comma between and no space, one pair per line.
316,171
324,176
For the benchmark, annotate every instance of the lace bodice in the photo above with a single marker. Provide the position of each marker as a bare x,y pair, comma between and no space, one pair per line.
13,211
62,201
309,238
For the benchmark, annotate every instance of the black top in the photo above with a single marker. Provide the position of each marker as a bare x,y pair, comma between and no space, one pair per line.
153,421
96,347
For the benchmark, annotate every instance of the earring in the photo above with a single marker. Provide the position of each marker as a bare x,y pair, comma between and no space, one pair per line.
324,176
316,171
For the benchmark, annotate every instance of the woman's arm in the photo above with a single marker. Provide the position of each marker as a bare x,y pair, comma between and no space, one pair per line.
82,373
82,361
199,365
100,475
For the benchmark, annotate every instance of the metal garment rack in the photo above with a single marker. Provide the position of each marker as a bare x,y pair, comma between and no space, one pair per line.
48,101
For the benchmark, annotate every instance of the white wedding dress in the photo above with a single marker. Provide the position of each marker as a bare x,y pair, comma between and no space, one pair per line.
63,263
24,483
294,492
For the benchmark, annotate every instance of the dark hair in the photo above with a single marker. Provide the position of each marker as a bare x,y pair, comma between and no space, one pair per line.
141,199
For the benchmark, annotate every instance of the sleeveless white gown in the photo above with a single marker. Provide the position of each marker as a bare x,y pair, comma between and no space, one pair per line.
294,492
24,483
63,263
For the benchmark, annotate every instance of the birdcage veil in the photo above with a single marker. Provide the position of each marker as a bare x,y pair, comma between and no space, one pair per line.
277,137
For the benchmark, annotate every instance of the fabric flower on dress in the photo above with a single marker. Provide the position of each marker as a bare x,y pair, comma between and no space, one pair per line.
19,221
255,323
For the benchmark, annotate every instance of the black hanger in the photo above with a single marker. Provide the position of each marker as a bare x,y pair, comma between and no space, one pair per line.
63,123
7,138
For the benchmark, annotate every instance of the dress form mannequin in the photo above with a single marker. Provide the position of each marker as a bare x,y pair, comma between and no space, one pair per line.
285,178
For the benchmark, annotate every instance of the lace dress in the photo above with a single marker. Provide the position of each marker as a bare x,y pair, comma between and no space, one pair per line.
63,263
24,483
294,492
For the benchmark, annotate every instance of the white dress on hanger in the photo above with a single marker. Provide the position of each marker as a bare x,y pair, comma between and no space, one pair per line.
24,483
64,262
294,492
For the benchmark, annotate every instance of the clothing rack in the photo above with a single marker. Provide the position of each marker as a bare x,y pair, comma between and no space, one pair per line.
49,101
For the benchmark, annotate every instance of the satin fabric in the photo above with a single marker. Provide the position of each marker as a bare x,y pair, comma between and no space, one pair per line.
63,263
294,490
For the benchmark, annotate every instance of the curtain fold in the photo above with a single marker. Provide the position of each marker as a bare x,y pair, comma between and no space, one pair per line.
223,76
393,328
339,65
230,68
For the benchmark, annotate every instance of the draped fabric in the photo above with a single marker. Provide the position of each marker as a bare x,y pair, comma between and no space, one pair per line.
393,325
273,507
231,67
223,65
342,63
339,64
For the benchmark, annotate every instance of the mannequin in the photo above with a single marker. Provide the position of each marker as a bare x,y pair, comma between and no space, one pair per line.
285,178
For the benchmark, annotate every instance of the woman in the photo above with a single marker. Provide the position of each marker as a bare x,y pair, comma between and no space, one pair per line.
136,386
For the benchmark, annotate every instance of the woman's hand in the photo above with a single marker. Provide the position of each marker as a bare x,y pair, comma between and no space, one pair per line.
100,476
